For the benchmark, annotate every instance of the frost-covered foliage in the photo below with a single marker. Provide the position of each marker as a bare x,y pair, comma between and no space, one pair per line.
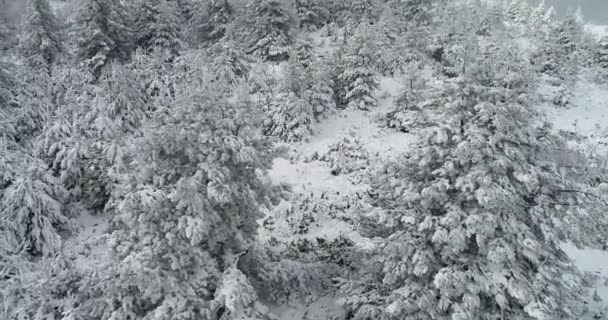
40,39
559,54
9,102
357,81
158,26
37,104
601,55
312,14
229,62
469,216
187,210
289,117
210,20
48,289
268,29
320,93
104,33
410,108
347,155
34,205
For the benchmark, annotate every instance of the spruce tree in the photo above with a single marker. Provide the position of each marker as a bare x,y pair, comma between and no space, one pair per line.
40,39
601,56
34,203
467,217
9,102
269,28
312,14
357,80
187,211
158,26
210,20
104,33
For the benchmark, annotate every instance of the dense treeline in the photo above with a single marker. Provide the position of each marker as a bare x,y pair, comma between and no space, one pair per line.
163,117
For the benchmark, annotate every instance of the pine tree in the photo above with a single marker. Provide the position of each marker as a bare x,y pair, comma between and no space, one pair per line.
40,39
269,24
363,11
229,62
357,81
158,26
517,11
601,57
37,103
9,102
210,20
104,33
187,211
320,93
34,205
468,221
312,14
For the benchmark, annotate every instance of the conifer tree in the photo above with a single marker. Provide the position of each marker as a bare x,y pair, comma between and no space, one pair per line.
320,93
469,223
158,26
210,20
187,210
229,62
35,206
601,57
357,81
104,33
9,102
312,14
269,27
40,39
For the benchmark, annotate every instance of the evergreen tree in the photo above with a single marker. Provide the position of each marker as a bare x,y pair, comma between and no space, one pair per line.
363,11
158,26
35,206
320,93
269,29
37,103
104,33
40,39
229,62
210,20
357,81
312,14
9,102
187,210
468,222
601,57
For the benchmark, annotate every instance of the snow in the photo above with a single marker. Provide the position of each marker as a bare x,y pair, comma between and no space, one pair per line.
88,248
597,30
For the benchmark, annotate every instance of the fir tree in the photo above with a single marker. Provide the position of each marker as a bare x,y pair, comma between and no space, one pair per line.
357,81
468,216
229,62
158,26
210,20
269,24
35,206
601,55
104,33
37,103
312,14
40,39
187,210
9,102
320,93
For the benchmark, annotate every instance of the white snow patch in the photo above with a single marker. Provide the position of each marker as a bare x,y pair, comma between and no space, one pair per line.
88,248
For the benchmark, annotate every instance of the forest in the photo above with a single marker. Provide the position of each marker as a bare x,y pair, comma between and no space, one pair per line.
301,160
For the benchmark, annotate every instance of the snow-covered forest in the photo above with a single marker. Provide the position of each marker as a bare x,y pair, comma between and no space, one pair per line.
302,160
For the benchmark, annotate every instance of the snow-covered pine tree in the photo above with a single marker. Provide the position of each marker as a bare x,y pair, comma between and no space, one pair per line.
40,40
469,220
210,20
304,50
37,104
560,53
104,33
34,205
229,62
518,12
357,80
289,115
312,14
320,93
269,25
9,102
115,116
158,26
187,212
601,56
363,11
